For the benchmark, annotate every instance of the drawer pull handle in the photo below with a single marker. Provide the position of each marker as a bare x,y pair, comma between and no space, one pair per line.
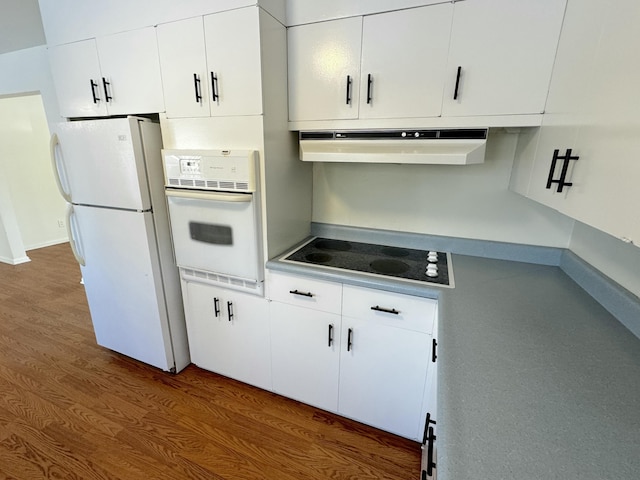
304,294
385,310
431,439
330,334
433,350
230,310
349,339
216,306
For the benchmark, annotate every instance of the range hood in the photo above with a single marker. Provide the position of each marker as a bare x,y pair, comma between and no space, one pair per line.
440,147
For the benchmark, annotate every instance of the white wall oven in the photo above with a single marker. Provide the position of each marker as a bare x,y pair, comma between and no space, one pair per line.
215,217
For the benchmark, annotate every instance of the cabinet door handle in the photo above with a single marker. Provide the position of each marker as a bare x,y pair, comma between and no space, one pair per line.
107,97
214,87
566,158
427,423
216,306
434,344
303,294
430,463
196,87
348,89
94,85
369,90
330,334
230,310
349,339
455,91
386,310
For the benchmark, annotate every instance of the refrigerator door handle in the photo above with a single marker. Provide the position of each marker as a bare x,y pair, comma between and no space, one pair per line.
53,143
73,240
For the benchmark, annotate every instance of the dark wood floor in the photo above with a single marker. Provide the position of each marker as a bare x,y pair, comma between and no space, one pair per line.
70,409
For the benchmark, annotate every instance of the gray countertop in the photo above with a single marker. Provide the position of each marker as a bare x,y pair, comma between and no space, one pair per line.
536,380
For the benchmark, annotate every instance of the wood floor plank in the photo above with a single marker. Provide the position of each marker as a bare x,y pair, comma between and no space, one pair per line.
70,409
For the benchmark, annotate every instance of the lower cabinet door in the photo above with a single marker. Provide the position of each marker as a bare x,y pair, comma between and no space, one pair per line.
382,376
229,333
305,354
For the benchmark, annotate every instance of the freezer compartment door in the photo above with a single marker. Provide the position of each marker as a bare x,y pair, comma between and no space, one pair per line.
123,283
101,162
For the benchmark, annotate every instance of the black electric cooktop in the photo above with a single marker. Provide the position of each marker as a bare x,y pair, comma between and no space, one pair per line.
423,266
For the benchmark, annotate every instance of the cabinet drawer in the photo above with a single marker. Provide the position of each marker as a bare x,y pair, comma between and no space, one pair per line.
394,309
305,292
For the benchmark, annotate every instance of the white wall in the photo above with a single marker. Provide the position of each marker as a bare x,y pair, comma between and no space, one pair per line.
27,71
11,247
24,155
470,201
616,259
23,72
20,24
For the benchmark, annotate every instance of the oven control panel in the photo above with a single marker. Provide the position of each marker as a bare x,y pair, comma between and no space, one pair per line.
227,170
190,166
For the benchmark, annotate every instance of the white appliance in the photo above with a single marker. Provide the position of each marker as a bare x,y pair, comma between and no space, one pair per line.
215,217
417,146
110,172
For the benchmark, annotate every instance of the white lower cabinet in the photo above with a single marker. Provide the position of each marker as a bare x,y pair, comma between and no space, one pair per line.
228,332
305,354
368,362
382,376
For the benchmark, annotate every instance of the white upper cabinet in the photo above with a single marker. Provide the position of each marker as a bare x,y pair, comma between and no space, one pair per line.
501,56
129,63
324,70
387,65
404,57
184,68
233,60
78,79
592,111
429,66
211,65
112,75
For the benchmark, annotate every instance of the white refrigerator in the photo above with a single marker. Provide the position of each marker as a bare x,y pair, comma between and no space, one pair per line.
110,173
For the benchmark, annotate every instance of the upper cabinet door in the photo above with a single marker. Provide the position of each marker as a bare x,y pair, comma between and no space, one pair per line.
232,42
404,58
131,70
78,80
184,70
501,56
324,70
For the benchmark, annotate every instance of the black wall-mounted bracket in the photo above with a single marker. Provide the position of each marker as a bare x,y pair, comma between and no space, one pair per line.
565,167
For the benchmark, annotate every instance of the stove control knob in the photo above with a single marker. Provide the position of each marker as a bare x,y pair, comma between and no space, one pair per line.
432,271
403,134
432,257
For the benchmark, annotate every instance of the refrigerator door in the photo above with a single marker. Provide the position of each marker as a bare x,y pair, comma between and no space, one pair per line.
101,162
123,282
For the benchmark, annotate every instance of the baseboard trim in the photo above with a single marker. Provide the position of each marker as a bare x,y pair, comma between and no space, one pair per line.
15,261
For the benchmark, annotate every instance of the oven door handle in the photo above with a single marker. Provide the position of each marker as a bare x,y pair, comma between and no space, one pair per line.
218,196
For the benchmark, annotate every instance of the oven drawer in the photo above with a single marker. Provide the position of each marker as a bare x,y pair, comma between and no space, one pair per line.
305,292
393,309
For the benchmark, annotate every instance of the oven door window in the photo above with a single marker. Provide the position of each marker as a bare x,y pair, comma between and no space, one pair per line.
208,233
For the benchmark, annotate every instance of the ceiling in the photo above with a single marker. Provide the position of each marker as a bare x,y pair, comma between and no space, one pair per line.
20,24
